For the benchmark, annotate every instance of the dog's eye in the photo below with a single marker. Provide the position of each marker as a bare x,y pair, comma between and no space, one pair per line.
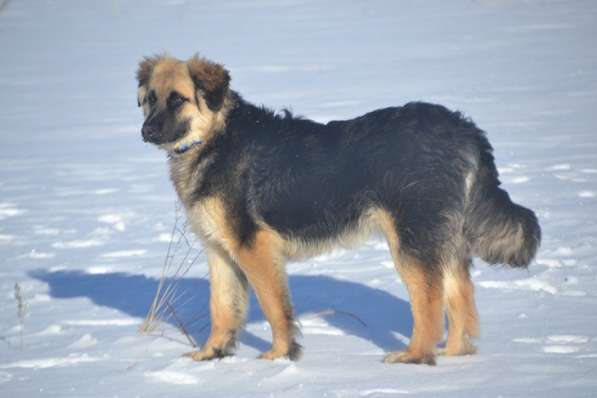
175,100
152,98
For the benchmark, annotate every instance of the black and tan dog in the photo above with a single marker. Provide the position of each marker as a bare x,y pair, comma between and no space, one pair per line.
260,189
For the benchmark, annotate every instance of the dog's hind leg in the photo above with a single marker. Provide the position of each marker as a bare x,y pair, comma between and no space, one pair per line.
262,263
228,303
426,298
461,309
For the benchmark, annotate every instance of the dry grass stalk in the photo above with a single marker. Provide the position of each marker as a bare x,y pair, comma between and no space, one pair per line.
181,327
21,310
333,311
181,255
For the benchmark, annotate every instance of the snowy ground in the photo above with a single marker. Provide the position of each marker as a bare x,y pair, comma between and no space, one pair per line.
86,207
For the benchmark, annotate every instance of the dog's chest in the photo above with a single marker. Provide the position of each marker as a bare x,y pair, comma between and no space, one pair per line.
205,215
209,222
204,220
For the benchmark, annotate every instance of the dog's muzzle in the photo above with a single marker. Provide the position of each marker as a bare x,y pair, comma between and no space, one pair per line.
152,129
150,132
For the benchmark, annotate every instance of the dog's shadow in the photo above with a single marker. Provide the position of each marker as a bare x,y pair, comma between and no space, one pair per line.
356,309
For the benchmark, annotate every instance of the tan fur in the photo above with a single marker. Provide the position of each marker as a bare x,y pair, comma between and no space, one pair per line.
229,294
505,242
228,304
372,220
210,222
426,300
164,74
141,99
462,312
386,224
425,293
426,303
262,265
146,68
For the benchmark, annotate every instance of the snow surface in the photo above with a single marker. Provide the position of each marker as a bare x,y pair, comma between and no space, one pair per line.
86,207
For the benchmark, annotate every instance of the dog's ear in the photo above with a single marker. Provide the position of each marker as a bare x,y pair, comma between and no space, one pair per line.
211,78
146,69
144,73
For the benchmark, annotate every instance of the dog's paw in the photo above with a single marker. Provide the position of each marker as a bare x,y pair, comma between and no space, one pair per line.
293,353
408,357
206,354
271,355
464,348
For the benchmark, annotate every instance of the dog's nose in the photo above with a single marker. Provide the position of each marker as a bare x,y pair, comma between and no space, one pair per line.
149,132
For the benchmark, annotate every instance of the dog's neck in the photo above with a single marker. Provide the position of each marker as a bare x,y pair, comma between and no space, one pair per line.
191,144
187,167
184,171
184,148
189,161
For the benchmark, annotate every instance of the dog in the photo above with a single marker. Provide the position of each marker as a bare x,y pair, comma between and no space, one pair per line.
261,188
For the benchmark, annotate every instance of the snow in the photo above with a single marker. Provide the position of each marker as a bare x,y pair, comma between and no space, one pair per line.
525,284
86,208
44,363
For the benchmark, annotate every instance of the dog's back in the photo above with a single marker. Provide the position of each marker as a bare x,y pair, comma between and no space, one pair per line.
430,168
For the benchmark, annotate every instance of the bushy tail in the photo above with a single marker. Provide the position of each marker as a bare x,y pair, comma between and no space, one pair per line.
502,232
497,229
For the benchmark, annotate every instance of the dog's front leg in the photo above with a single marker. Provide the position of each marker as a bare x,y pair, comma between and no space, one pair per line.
264,268
228,305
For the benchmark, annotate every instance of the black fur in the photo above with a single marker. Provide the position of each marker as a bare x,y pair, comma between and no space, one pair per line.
313,181
295,352
161,126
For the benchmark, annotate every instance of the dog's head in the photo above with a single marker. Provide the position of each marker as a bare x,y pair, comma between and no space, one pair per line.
183,102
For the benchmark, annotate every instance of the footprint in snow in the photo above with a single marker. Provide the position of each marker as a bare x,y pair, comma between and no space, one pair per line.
564,251
171,377
8,209
77,244
318,326
35,255
564,344
567,339
530,284
47,231
375,392
5,377
6,239
105,191
557,344
85,341
115,220
556,263
103,322
124,253
560,349
559,167
56,362
586,194
98,270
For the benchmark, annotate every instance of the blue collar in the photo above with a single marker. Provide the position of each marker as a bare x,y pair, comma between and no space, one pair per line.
184,148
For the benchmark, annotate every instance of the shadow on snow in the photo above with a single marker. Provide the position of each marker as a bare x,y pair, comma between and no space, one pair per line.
350,303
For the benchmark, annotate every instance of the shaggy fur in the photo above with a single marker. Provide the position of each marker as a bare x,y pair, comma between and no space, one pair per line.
261,188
